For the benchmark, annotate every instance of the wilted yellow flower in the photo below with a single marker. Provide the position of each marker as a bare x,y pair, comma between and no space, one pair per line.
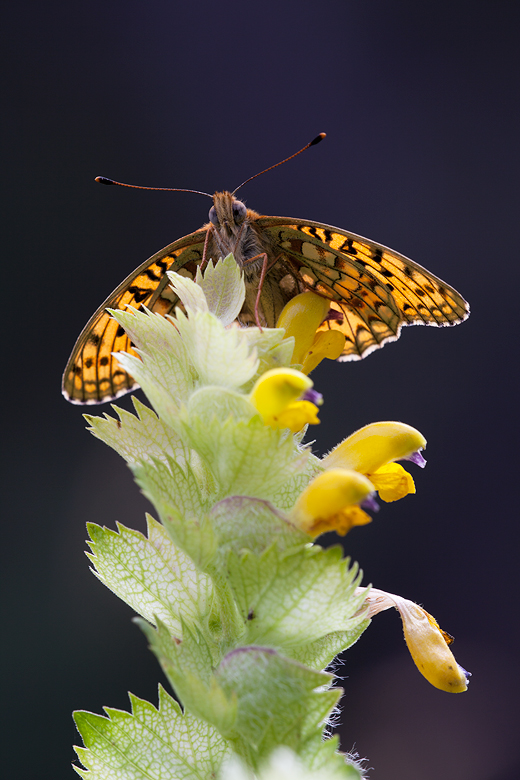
427,642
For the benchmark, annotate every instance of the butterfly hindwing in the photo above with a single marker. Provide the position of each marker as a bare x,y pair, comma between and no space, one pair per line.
92,373
375,289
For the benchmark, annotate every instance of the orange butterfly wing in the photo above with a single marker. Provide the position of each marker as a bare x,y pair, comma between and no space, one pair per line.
92,374
375,289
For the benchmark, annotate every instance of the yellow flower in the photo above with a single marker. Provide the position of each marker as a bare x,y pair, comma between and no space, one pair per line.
336,499
372,451
284,399
392,482
427,642
331,502
301,318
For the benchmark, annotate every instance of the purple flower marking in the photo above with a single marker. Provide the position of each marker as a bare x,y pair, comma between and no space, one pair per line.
417,458
313,396
370,503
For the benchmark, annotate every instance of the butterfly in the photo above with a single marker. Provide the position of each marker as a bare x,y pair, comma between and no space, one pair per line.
373,291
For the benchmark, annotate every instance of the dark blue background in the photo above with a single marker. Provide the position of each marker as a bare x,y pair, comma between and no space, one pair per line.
420,104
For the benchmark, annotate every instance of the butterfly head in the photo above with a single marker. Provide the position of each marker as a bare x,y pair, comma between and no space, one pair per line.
227,213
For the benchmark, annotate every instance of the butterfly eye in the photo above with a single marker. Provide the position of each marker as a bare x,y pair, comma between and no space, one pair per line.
213,216
239,211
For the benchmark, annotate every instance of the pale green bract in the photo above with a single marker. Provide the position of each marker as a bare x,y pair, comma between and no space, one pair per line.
241,610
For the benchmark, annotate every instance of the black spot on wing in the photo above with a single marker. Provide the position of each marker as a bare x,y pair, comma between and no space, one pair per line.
163,265
138,293
347,247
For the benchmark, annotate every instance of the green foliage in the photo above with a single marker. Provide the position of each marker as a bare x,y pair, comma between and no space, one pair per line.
241,610
163,744
124,561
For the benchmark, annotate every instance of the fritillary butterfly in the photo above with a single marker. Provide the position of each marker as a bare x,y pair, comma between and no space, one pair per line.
373,290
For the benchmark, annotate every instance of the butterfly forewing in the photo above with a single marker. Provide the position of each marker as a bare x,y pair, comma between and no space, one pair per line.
93,374
375,289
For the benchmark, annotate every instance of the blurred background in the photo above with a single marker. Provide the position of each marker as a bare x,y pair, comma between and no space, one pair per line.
420,105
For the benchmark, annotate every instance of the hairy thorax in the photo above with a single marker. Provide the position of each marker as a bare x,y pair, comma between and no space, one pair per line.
233,229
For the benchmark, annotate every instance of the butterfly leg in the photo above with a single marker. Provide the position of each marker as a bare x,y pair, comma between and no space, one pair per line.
265,268
204,261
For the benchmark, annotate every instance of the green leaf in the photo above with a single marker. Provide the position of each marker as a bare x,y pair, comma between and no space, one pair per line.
191,655
323,761
209,402
189,292
245,457
284,764
181,504
151,575
287,495
319,654
272,348
188,665
220,356
224,288
164,371
141,437
171,488
276,701
194,536
243,523
256,698
291,599
163,744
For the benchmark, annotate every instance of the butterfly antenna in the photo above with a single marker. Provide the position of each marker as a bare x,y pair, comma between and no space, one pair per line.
314,141
104,180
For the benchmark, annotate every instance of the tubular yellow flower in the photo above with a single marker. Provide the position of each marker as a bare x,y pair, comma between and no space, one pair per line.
392,482
296,415
372,451
427,642
301,318
331,503
326,344
284,399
